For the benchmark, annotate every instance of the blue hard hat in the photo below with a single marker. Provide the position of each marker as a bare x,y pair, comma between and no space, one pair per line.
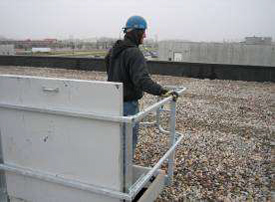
136,22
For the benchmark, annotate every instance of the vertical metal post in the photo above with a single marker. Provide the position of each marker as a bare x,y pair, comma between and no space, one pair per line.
128,156
172,140
158,114
3,185
158,117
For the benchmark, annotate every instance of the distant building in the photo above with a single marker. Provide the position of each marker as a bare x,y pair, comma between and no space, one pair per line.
221,53
51,40
105,43
28,43
258,40
7,50
41,50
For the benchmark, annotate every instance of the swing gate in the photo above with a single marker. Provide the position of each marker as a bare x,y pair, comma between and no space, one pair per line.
63,140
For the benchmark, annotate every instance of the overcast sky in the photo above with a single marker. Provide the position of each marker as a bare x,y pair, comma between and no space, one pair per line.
195,20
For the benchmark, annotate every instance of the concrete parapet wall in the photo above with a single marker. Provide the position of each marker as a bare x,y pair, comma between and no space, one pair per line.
195,70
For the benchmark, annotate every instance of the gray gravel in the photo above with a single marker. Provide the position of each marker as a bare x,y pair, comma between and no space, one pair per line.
227,153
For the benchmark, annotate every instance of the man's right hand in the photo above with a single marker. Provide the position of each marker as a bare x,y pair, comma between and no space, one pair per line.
167,93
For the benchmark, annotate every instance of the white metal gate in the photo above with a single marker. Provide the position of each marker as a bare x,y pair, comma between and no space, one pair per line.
62,140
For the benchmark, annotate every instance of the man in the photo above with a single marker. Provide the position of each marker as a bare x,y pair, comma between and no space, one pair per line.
126,63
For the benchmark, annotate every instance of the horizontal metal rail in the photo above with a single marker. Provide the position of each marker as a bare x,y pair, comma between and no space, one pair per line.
133,191
154,107
62,112
110,118
64,181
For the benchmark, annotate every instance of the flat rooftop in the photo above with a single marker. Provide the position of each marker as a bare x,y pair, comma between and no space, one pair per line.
227,152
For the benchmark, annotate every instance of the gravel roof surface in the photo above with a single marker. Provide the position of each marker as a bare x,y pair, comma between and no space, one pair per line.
228,149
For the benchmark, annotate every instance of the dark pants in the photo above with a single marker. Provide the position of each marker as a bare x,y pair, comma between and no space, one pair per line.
132,108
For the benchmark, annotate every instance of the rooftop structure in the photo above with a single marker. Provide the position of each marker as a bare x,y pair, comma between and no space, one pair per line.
258,40
7,50
255,51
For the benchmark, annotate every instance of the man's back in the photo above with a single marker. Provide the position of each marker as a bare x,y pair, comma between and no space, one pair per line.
126,64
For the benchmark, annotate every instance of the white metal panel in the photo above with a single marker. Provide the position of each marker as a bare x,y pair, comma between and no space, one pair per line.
75,95
154,189
63,146
41,191
76,148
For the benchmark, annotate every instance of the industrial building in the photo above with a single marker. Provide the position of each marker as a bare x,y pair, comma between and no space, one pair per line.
258,40
26,44
7,50
253,51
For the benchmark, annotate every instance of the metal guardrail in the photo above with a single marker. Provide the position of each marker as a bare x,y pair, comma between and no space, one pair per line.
130,189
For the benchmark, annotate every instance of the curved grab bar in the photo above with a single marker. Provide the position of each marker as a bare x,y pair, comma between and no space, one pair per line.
175,139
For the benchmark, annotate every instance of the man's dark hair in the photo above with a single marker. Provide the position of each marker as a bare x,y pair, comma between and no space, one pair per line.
134,35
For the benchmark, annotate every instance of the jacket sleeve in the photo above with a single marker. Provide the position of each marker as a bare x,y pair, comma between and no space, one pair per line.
140,75
107,61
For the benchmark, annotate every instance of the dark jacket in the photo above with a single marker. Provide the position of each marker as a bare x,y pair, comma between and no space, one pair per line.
126,63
